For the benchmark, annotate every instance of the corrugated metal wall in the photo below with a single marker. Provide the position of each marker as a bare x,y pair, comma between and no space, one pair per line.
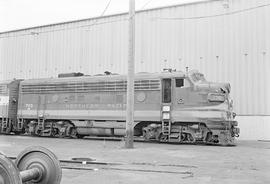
227,40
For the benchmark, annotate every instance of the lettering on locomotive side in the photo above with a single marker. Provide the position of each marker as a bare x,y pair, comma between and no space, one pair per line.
116,106
29,106
94,106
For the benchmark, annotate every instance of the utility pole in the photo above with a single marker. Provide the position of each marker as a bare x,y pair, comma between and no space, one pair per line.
130,77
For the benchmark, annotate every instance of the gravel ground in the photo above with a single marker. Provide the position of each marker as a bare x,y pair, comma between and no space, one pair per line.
248,162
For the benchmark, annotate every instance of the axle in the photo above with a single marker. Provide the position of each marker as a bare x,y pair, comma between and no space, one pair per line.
31,174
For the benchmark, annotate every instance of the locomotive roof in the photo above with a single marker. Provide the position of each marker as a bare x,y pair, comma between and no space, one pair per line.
6,82
97,78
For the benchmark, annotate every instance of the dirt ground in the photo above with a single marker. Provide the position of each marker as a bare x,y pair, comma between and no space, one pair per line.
248,162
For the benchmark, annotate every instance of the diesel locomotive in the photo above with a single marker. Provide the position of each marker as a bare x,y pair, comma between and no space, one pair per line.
171,106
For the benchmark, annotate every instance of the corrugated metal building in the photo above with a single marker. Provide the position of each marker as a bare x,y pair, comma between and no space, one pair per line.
227,40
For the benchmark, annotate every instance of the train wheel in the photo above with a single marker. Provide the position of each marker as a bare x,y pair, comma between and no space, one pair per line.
37,132
73,133
163,138
80,136
158,136
53,132
190,138
17,133
8,129
146,135
62,134
209,137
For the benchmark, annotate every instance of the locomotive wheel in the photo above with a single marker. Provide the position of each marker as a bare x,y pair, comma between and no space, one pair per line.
146,135
9,174
44,160
163,138
79,136
7,130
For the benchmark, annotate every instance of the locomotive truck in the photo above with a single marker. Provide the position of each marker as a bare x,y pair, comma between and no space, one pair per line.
171,106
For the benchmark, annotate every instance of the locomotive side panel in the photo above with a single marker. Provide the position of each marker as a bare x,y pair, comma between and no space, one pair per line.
86,103
89,106
4,100
9,92
13,99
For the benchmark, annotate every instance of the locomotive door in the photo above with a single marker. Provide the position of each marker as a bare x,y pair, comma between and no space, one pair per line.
166,91
166,107
41,106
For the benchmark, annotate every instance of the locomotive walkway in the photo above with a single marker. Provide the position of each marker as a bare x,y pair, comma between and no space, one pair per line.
248,162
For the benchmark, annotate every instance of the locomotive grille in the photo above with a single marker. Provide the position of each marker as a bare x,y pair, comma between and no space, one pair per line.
3,89
84,87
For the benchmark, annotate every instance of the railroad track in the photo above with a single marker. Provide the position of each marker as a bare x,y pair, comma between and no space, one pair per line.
136,139
40,165
85,164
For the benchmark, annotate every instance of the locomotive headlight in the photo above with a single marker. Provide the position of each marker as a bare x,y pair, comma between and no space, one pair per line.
216,97
166,116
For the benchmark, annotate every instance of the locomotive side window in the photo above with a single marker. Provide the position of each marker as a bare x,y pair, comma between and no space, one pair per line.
166,90
179,83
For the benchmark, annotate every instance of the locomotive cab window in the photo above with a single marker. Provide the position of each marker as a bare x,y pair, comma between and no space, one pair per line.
166,91
179,83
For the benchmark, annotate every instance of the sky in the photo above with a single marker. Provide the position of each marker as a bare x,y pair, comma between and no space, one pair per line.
18,14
